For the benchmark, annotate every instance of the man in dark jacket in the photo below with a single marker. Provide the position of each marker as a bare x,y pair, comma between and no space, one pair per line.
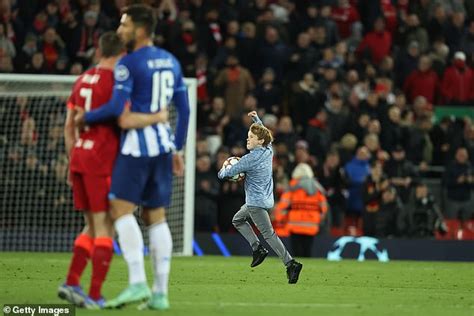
459,180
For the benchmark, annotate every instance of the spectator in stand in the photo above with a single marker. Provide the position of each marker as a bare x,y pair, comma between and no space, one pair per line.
52,47
458,181
186,46
247,46
268,93
457,83
413,31
422,218
87,38
235,82
377,43
401,173
285,133
329,24
331,176
390,14
468,141
387,217
302,57
438,23
318,134
439,55
7,48
36,65
345,15
273,52
418,145
424,81
455,30
392,131
441,135
371,141
207,189
356,172
406,62
223,52
467,41
373,188
306,102
210,33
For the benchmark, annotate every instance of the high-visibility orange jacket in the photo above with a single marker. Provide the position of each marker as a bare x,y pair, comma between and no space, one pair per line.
301,208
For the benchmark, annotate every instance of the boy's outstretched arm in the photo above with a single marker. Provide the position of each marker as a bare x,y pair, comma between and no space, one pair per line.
255,118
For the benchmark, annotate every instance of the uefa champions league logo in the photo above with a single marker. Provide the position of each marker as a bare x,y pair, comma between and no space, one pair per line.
365,243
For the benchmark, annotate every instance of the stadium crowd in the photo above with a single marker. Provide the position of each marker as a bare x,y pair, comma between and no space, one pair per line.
349,87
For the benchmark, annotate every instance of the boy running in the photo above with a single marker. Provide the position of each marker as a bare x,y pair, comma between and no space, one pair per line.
257,165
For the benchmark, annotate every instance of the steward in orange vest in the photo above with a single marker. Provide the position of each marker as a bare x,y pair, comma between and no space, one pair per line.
301,209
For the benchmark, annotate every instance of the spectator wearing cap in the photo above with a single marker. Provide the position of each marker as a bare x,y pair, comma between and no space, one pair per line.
457,83
377,43
423,81
387,217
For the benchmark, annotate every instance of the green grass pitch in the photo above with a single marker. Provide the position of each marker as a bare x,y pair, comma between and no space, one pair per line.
213,285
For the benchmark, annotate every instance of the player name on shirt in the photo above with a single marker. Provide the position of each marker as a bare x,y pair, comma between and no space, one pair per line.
160,63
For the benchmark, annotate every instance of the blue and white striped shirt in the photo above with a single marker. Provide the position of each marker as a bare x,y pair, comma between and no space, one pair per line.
149,78
257,165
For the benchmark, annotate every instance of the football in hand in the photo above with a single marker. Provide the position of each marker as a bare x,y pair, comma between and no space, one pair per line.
230,162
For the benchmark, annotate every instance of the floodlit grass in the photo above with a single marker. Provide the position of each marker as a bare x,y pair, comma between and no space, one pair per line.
213,285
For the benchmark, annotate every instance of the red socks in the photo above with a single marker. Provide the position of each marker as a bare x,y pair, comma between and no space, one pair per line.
101,257
81,253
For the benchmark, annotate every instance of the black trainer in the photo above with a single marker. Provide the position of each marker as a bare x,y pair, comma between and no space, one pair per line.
293,271
258,256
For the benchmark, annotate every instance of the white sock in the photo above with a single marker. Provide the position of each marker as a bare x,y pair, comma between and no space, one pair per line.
161,248
131,242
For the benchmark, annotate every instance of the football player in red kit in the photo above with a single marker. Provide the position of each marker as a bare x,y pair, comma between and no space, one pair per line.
92,153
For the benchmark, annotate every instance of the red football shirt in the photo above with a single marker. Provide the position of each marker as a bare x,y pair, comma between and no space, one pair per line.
97,146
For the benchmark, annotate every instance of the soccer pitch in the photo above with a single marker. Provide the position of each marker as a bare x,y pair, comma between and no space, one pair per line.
213,285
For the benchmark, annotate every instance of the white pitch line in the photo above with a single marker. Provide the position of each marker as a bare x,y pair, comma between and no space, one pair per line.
247,304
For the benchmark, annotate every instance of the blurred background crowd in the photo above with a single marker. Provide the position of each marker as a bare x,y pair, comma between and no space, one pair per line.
348,87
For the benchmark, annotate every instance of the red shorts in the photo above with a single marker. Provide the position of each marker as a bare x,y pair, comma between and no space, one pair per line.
90,192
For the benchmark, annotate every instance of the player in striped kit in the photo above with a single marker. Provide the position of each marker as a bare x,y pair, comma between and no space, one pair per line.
92,154
150,78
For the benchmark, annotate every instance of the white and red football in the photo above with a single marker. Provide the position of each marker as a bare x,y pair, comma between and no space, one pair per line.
230,162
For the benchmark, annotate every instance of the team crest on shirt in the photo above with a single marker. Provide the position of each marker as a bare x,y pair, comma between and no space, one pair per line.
121,73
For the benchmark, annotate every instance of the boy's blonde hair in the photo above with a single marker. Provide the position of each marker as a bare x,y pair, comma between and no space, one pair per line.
262,133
